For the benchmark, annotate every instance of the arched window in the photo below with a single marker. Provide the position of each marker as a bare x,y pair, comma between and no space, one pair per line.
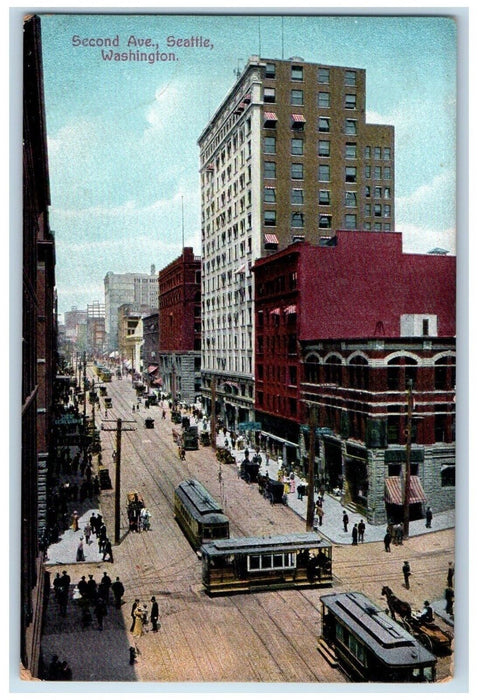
312,369
358,372
333,370
445,373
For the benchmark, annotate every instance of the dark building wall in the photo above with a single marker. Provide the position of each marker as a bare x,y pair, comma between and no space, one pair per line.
38,343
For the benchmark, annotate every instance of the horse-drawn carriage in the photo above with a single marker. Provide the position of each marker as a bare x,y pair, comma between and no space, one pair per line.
224,456
429,634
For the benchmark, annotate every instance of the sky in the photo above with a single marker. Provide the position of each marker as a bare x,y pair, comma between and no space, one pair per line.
122,135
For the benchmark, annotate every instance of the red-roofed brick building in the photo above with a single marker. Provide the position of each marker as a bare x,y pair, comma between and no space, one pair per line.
341,328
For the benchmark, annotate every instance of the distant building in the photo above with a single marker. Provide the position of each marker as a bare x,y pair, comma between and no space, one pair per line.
180,326
127,288
74,319
341,330
95,328
287,155
151,350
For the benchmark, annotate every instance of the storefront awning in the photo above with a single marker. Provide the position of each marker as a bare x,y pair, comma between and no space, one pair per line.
393,490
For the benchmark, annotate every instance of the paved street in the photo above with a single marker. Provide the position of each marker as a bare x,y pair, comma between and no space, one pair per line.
264,637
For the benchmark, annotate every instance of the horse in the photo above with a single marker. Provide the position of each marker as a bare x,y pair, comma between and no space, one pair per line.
396,605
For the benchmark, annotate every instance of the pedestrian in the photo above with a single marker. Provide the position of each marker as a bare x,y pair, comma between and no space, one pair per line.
399,532
100,612
64,673
54,669
118,592
132,655
320,513
138,621
92,587
74,521
428,517
449,597
354,534
108,551
57,583
133,408
386,541
361,530
104,588
80,554
345,520
87,533
133,610
406,573
450,575
154,614
93,523
83,587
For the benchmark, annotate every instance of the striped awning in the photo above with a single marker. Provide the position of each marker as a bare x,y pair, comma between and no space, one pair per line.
292,309
152,369
298,118
271,238
270,117
275,312
240,270
393,490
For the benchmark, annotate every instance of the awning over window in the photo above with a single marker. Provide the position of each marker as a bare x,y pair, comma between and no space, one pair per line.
270,117
240,270
275,312
292,309
271,238
393,490
298,118
152,369
210,166
247,98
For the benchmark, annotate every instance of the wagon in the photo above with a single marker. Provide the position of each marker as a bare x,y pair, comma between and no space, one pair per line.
108,402
429,634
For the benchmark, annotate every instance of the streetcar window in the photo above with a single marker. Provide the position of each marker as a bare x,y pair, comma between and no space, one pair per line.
266,561
254,562
278,561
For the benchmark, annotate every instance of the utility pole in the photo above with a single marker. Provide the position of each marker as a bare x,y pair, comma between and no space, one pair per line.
213,413
85,432
408,434
311,473
119,428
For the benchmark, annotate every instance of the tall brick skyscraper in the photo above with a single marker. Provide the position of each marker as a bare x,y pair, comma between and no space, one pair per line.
288,155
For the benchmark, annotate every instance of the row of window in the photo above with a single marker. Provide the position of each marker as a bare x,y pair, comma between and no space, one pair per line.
323,124
324,172
297,98
324,149
323,74
350,199
297,219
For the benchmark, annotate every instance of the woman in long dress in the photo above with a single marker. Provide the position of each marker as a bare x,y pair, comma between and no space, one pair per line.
138,622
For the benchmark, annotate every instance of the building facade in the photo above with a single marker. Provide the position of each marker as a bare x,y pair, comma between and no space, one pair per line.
39,351
127,288
180,327
288,155
345,331
95,328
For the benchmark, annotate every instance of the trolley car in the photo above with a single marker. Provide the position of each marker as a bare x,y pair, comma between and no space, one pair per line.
251,564
199,515
369,645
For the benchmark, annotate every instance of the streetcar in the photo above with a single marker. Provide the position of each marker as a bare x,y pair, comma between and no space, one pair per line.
250,564
369,645
200,517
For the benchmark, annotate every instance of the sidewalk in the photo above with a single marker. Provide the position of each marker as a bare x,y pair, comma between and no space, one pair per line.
332,526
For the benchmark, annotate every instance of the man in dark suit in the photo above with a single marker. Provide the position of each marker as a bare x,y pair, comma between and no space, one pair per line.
154,614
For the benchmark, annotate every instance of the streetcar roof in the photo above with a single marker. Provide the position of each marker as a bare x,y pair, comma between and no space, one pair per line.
193,494
271,543
385,637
